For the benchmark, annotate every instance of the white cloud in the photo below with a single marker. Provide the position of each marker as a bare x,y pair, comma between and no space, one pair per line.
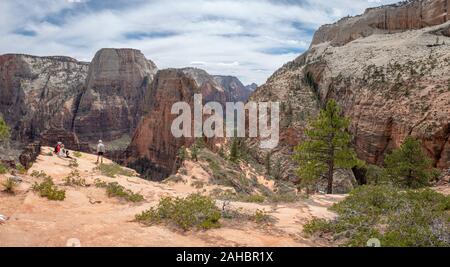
249,39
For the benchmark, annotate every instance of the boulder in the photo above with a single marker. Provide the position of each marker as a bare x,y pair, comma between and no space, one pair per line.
344,181
30,154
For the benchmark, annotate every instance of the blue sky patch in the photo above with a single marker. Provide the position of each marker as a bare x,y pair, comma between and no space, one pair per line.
147,35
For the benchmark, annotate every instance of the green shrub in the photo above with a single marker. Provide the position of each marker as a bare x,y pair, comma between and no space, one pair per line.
74,179
3,169
116,190
40,174
253,198
240,197
376,175
317,225
77,154
261,216
73,164
100,184
111,170
194,152
279,197
49,190
194,211
182,153
411,218
21,169
10,185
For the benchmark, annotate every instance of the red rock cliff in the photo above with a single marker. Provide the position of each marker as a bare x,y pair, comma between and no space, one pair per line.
115,86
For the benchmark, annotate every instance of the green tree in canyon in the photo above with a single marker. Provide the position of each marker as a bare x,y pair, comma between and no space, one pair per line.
409,166
327,147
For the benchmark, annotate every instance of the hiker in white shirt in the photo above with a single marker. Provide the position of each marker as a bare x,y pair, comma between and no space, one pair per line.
100,151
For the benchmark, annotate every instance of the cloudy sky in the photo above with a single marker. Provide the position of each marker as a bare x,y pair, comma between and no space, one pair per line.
248,39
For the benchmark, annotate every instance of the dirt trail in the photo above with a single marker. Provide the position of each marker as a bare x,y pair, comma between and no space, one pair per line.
88,215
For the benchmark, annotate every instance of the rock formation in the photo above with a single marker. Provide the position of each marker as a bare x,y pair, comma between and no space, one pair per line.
218,88
116,84
154,149
68,138
390,85
39,93
91,101
234,89
407,15
30,154
251,87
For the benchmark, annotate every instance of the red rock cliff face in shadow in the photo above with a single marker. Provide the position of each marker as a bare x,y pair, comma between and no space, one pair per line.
115,86
154,149
386,19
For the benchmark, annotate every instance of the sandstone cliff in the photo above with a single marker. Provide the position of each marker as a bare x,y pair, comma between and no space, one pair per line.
407,15
38,93
390,85
116,84
153,149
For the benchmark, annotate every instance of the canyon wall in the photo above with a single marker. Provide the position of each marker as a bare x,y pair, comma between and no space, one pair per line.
390,85
115,86
153,149
408,15
39,93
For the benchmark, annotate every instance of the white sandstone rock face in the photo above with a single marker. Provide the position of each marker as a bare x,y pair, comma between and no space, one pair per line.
390,85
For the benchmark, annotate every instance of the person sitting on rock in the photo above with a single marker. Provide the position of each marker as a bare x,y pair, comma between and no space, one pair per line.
58,148
62,151
100,151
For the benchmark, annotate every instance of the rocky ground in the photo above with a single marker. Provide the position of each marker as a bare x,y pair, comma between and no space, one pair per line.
90,216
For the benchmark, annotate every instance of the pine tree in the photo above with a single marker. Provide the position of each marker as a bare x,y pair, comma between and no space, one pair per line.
234,150
326,148
182,153
194,152
409,166
268,163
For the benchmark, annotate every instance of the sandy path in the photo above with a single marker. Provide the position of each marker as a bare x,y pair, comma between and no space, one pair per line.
35,221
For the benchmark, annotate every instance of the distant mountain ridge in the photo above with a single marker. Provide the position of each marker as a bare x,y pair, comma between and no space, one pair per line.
102,99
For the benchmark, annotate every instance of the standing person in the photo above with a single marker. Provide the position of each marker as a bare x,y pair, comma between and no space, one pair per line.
100,151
